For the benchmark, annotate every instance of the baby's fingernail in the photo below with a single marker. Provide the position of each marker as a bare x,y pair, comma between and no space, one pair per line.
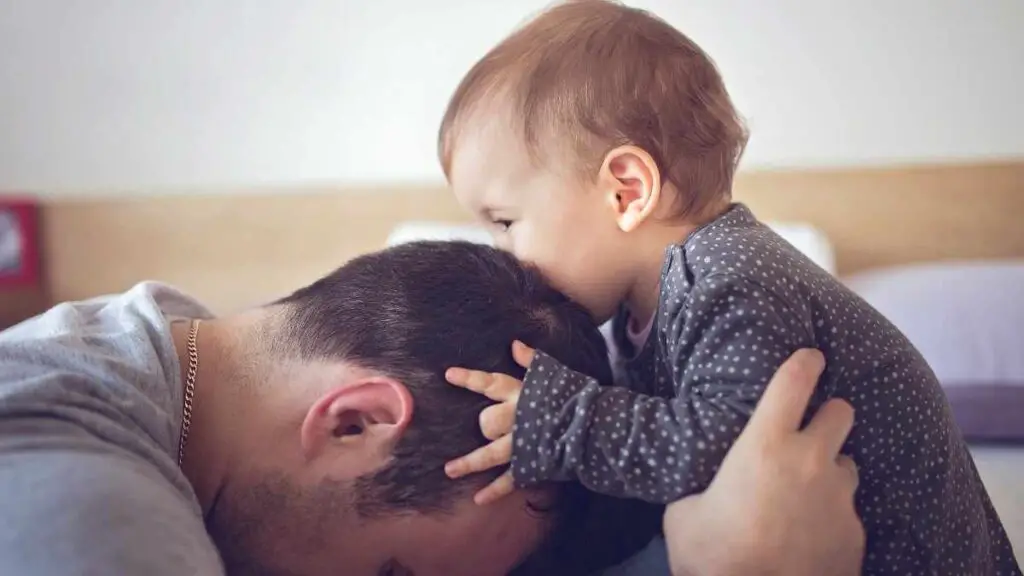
451,469
453,373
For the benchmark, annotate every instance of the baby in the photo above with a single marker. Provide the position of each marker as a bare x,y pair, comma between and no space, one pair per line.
600,144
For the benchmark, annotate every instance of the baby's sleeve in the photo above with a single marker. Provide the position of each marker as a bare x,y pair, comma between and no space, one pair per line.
726,344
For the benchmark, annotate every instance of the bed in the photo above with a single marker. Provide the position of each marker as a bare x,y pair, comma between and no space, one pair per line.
1002,470
249,246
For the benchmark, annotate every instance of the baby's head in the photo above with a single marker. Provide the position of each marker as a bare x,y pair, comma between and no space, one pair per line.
585,138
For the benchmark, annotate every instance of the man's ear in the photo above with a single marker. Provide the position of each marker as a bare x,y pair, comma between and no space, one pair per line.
366,414
632,182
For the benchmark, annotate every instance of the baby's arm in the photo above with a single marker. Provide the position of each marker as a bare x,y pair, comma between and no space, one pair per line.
725,346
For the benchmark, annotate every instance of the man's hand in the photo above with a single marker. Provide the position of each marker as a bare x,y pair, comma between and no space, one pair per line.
496,423
782,501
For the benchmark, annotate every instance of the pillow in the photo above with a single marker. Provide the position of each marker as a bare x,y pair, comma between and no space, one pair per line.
806,238
967,319
810,240
413,231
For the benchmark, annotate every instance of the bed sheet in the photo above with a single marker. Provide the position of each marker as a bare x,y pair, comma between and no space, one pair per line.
1001,469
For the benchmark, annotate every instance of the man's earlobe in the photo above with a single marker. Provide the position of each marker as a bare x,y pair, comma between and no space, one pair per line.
633,181
368,410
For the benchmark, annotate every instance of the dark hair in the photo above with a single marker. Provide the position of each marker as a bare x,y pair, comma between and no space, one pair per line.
413,311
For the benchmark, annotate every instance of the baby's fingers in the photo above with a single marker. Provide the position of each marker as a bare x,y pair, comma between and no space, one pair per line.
522,354
497,420
502,486
496,386
486,457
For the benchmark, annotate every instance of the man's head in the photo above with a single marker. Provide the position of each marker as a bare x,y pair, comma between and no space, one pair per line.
345,473
581,126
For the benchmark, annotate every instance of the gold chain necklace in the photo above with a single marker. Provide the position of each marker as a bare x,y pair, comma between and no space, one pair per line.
190,387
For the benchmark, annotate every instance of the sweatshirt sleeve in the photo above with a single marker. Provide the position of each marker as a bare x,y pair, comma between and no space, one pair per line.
725,345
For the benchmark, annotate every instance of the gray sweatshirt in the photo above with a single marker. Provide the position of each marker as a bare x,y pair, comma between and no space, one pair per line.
90,414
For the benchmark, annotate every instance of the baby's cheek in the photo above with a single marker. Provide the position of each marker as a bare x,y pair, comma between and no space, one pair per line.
540,258
557,275
598,298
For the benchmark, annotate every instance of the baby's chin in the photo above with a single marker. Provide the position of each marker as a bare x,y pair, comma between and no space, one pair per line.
601,307
601,313
602,317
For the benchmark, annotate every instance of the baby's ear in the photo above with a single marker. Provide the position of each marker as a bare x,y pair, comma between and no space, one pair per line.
633,185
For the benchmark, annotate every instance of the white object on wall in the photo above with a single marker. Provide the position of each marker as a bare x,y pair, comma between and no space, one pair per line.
170,94
805,237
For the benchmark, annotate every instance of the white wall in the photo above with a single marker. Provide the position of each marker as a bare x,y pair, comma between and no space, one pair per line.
151,94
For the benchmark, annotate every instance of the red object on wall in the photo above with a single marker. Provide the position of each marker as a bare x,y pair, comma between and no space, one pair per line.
19,242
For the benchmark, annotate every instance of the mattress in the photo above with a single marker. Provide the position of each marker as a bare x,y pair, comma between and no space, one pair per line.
1002,471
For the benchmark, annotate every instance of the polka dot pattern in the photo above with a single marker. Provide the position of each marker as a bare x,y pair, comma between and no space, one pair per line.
737,300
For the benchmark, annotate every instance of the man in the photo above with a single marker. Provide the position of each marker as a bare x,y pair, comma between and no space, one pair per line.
307,437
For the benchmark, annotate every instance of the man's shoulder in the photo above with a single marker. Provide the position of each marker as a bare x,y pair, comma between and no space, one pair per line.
107,364
143,301
130,330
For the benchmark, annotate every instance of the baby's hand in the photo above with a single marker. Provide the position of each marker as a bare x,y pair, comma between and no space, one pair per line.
495,422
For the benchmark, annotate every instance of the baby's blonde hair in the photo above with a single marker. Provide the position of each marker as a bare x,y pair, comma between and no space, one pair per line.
601,75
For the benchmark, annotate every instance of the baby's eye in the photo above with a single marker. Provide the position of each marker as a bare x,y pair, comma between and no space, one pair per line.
503,224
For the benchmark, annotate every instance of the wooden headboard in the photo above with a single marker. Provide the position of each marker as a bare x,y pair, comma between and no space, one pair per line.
241,249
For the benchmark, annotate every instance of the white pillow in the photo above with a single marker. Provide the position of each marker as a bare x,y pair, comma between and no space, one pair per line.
810,240
806,238
413,231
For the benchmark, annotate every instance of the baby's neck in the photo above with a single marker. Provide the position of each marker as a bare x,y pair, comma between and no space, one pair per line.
642,300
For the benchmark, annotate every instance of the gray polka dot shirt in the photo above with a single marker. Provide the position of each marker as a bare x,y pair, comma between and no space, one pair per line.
736,300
